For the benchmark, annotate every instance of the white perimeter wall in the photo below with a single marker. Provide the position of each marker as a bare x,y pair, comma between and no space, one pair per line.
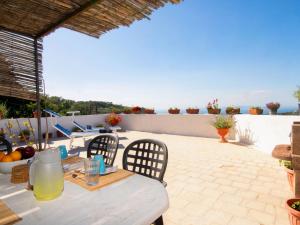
263,131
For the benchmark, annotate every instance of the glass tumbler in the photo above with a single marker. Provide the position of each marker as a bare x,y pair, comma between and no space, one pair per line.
91,167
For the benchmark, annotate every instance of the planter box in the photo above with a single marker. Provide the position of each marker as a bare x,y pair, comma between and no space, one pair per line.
174,111
233,111
254,111
149,111
192,111
213,111
294,215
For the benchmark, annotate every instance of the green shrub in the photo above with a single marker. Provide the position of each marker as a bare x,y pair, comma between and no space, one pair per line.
224,122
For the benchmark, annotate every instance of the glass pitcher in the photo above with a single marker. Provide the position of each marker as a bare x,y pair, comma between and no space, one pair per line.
46,175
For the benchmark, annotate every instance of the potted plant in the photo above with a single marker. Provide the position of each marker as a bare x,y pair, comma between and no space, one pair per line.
289,172
223,124
293,207
113,119
36,114
174,110
255,110
192,110
273,107
136,109
149,111
127,111
213,108
3,111
231,110
24,135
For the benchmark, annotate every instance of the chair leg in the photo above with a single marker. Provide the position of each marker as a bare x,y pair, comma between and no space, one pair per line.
159,221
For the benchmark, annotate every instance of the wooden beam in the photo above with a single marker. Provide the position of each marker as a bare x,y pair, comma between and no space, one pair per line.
37,92
67,17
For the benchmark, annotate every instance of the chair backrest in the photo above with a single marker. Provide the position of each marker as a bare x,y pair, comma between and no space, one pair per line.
146,157
106,145
79,126
63,130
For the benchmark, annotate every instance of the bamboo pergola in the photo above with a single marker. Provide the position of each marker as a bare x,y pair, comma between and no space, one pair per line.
23,24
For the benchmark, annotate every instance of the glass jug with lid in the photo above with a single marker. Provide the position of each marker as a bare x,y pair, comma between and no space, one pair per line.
46,175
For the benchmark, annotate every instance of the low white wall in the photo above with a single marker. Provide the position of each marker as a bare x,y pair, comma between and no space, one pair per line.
261,131
189,125
264,131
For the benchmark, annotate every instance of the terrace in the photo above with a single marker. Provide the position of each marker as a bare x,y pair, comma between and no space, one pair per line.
209,183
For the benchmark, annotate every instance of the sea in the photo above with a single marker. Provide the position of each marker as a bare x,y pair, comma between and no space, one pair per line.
244,110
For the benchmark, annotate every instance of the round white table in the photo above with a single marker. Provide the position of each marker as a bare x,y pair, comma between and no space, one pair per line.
136,200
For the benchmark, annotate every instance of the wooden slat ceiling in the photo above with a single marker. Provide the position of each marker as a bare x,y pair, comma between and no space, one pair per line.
17,66
91,17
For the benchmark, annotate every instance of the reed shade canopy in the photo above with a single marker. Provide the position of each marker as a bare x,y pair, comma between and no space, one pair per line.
91,17
17,66
23,24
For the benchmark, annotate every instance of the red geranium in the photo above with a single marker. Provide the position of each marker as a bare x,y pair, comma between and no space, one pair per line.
113,119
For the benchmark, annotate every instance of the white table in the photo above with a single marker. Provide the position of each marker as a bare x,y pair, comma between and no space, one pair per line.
136,200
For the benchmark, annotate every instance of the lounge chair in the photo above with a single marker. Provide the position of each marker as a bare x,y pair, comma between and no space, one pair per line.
71,134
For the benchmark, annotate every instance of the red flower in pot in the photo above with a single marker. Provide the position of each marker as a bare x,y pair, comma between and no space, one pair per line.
174,110
136,109
113,119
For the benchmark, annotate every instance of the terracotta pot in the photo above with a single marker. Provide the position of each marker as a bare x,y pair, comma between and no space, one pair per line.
213,111
290,176
35,114
294,215
114,122
136,110
149,111
174,111
233,111
222,133
254,111
192,111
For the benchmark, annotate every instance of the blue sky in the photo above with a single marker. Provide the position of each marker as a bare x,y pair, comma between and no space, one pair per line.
242,52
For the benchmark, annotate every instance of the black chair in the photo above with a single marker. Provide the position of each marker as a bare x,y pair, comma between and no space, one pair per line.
149,158
106,145
5,145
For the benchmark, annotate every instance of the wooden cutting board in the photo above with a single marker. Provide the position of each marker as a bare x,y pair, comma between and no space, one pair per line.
7,216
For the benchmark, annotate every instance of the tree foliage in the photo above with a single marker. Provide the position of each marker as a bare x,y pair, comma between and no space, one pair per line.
18,108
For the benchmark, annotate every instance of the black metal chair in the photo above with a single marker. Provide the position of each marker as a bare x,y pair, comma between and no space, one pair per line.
5,145
149,158
106,145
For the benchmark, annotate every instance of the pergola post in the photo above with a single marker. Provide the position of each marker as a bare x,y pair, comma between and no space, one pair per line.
38,99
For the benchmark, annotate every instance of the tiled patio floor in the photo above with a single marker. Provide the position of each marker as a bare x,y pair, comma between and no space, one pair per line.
219,184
